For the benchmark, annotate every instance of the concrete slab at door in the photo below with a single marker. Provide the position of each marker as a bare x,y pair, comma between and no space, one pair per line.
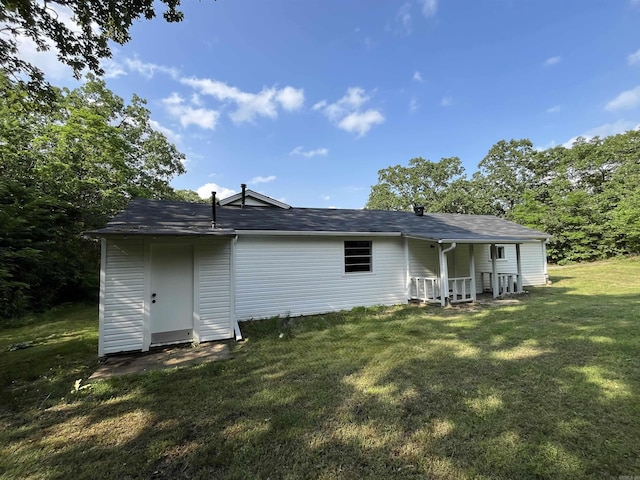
171,293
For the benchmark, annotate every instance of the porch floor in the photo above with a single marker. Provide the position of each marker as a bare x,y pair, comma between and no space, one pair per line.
481,299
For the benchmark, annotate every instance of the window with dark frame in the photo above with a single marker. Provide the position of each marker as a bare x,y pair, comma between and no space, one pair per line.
499,253
357,256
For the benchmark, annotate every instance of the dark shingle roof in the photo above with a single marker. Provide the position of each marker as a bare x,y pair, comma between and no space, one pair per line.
159,217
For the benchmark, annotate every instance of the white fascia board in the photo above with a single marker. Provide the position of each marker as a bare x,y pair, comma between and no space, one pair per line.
286,233
257,196
484,241
493,240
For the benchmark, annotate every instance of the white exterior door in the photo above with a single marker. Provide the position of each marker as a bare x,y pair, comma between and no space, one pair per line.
171,308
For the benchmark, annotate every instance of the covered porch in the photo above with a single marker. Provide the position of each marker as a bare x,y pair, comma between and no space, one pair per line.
451,282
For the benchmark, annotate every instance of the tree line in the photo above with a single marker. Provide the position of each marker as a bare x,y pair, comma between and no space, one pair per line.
586,196
67,165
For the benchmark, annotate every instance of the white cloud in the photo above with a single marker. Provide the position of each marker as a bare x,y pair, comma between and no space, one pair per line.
148,70
326,198
605,130
309,153
413,104
417,77
112,69
188,115
221,192
554,109
172,136
361,122
345,113
256,180
249,105
446,101
290,98
429,7
624,101
552,61
320,105
403,20
634,58
173,99
47,60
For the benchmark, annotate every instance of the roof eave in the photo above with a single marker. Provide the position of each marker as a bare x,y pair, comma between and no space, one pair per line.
319,233
480,239
151,233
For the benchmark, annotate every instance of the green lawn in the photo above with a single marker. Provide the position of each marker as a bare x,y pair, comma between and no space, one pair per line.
547,388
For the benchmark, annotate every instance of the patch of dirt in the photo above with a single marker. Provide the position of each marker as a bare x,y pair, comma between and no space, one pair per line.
163,359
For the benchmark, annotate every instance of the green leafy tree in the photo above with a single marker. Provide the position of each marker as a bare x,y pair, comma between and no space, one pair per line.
509,171
438,186
98,153
83,46
189,196
67,166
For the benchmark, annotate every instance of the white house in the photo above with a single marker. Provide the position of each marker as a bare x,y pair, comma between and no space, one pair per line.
175,272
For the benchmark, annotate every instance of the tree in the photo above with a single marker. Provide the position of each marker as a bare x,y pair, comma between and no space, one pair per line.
80,46
68,166
189,196
98,153
438,186
509,171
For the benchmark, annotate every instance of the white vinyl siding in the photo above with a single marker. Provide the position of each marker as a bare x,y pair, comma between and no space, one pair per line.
213,290
122,324
305,275
532,261
458,261
533,264
423,259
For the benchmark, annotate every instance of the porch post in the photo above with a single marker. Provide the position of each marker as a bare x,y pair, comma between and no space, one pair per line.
544,260
444,276
494,269
407,279
519,263
472,272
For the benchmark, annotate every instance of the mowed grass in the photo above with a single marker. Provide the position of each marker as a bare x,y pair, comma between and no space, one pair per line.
546,388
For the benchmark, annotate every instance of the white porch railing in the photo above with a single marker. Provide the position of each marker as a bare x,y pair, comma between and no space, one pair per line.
507,282
427,289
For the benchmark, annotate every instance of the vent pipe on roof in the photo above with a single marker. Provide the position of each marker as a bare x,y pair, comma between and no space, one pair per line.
244,193
418,210
213,209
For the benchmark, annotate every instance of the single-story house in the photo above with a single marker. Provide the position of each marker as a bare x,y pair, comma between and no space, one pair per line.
175,272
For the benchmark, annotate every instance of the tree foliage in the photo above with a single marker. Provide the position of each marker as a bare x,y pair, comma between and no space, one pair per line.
586,197
67,167
79,30
438,186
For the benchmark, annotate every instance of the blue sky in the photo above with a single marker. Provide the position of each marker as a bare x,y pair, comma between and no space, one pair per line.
306,100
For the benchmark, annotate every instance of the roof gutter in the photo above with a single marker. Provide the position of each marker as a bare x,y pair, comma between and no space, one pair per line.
483,241
321,233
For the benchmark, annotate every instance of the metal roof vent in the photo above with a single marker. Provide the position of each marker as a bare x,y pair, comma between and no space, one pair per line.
418,210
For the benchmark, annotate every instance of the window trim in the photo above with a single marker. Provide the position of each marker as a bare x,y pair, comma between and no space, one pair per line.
499,248
357,245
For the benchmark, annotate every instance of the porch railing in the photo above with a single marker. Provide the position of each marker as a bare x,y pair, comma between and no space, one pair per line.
427,289
507,282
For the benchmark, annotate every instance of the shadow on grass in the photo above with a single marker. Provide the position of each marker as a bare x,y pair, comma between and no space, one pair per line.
547,388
